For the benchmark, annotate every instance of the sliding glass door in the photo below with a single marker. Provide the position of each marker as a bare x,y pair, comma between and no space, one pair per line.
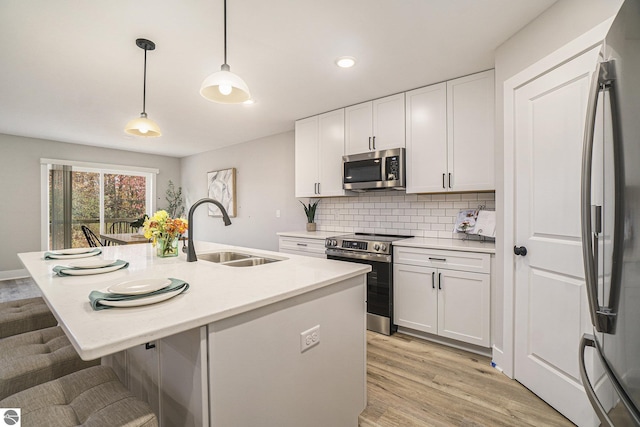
93,197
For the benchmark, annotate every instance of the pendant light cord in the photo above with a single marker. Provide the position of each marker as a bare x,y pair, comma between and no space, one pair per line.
144,83
225,32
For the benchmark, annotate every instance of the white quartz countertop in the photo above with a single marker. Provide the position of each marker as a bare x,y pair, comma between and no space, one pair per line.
448,244
216,292
319,235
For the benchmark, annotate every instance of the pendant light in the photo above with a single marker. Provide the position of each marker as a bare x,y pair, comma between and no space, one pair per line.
223,86
143,126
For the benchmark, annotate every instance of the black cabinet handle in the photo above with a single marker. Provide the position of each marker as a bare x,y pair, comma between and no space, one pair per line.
522,251
374,142
437,259
369,143
443,186
439,280
449,179
433,280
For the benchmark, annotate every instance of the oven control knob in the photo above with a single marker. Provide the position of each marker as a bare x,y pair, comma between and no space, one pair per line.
376,247
334,242
384,247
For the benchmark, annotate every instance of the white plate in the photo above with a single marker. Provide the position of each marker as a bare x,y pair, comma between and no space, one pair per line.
143,301
73,251
92,263
138,287
88,271
84,255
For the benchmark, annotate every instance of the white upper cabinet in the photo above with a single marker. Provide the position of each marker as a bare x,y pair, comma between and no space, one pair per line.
375,125
450,135
306,157
470,132
319,147
427,139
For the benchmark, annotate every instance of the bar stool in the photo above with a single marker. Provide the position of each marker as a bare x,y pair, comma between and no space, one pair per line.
24,315
92,397
36,357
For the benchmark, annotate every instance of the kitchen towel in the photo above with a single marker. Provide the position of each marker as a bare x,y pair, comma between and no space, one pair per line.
65,270
56,255
96,297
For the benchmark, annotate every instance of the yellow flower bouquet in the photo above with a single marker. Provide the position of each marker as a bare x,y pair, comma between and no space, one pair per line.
165,232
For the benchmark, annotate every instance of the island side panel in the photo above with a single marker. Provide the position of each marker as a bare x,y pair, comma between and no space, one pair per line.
259,376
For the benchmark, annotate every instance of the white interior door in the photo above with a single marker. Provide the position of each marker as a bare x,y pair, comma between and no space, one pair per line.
550,300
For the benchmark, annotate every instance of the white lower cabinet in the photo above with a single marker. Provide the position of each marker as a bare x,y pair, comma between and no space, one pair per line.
302,246
450,303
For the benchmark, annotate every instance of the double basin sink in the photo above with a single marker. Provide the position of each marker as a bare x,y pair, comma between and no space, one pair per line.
236,259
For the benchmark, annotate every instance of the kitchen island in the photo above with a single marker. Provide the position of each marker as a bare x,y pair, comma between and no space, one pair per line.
231,350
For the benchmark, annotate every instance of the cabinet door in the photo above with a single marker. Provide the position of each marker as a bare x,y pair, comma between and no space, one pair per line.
463,306
426,123
306,157
358,128
470,123
331,150
415,297
388,122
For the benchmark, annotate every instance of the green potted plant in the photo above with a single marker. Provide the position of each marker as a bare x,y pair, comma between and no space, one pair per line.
310,211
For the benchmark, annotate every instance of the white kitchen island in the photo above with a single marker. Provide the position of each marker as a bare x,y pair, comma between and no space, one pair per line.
228,352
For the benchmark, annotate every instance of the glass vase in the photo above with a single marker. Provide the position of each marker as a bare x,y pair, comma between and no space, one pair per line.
167,247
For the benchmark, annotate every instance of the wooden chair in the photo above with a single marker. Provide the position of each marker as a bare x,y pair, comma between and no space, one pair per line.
92,239
122,227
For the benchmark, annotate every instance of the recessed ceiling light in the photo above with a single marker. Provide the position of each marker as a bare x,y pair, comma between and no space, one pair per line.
346,61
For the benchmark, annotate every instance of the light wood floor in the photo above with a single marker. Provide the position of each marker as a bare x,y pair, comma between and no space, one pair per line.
416,383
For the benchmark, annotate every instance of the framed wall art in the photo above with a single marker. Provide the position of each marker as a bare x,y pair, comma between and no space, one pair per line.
222,187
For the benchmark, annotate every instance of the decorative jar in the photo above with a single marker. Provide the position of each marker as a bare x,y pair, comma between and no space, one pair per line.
167,247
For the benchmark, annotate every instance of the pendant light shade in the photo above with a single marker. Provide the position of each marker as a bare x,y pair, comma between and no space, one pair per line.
143,126
223,86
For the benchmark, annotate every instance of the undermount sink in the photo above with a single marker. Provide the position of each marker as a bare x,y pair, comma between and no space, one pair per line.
223,256
250,262
235,259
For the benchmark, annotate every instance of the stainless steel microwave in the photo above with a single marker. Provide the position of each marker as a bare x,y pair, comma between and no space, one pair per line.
376,170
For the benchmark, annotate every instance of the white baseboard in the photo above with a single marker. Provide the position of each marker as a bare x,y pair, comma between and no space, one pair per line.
13,274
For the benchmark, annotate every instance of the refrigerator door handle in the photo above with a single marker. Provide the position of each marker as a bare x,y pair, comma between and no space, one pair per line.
591,283
589,341
603,318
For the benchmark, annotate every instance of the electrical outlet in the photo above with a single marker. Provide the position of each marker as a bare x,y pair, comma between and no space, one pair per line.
309,338
277,213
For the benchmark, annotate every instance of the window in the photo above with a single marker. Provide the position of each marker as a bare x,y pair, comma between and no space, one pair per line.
94,195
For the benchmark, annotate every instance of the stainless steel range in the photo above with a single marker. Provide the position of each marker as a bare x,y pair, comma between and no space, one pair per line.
375,250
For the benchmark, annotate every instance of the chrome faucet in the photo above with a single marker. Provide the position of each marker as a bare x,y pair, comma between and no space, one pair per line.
191,251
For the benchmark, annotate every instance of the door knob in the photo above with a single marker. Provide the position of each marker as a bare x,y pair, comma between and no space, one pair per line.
522,251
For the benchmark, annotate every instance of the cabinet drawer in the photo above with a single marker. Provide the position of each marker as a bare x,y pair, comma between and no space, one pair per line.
302,246
452,260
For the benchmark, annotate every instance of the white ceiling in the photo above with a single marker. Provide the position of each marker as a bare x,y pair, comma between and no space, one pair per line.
70,70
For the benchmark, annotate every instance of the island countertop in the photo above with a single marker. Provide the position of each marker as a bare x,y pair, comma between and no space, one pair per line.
215,292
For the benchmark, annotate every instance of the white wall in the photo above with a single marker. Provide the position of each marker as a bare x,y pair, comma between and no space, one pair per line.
264,184
557,26
20,187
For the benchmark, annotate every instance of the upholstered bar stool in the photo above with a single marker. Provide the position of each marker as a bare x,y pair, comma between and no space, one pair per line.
93,397
25,315
36,357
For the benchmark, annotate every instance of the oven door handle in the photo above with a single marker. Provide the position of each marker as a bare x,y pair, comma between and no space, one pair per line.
358,255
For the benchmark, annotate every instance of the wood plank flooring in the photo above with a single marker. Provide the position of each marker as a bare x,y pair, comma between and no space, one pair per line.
416,383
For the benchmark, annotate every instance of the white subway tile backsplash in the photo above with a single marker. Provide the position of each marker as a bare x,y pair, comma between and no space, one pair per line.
391,212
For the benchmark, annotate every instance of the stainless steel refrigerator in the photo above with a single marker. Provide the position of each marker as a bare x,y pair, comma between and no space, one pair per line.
611,220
